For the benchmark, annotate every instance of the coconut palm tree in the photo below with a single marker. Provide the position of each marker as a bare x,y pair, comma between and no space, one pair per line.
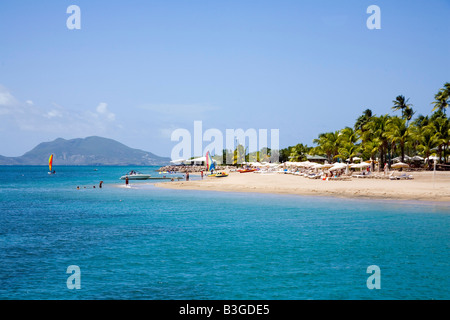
348,150
298,153
409,113
347,141
376,128
401,103
362,120
426,137
398,134
328,144
442,98
442,128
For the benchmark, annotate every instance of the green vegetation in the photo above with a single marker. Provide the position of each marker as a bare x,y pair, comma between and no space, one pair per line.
387,136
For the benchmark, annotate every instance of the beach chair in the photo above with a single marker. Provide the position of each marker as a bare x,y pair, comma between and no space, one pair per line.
405,176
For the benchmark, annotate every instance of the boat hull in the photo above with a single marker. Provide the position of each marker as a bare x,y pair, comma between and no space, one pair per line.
136,177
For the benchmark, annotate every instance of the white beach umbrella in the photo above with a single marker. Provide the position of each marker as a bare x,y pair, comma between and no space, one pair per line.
399,165
257,164
274,164
338,166
360,165
306,164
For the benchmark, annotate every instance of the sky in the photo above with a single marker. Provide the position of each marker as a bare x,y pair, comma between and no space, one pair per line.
138,70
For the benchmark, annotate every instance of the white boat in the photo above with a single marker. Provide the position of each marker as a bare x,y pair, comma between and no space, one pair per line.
135,175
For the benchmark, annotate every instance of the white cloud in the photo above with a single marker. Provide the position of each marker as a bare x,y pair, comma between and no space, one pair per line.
54,114
26,116
102,109
6,99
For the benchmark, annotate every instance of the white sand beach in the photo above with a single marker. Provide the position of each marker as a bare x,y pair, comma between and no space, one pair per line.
425,186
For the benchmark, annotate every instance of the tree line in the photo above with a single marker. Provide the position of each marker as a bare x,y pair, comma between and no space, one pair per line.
385,136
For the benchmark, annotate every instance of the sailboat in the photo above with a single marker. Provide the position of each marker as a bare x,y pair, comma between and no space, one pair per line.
210,166
50,164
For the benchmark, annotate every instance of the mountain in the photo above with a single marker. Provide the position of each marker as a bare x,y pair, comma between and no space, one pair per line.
89,151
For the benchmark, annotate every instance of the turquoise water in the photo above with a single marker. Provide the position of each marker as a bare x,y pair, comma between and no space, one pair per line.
146,242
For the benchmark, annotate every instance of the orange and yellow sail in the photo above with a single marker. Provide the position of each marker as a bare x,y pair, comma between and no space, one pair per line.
50,163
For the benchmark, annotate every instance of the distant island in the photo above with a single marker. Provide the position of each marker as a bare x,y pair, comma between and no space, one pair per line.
90,151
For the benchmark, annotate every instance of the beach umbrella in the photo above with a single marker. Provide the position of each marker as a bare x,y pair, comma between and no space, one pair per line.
257,164
399,165
338,166
318,166
306,164
360,165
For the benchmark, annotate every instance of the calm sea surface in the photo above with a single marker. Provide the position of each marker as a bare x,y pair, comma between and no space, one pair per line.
146,242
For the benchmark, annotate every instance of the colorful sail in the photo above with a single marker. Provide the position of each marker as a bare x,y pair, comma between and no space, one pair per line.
209,162
50,163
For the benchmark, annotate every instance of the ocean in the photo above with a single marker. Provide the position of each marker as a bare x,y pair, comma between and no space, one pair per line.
146,242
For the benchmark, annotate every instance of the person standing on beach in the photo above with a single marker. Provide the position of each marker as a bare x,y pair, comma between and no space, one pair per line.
126,180
187,176
201,173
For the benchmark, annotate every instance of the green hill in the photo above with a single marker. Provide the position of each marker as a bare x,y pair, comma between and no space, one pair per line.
89,151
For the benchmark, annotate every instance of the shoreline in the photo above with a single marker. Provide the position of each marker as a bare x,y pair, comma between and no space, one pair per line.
422,188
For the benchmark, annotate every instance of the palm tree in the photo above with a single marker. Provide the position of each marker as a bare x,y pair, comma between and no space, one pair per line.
401,103
239,155
347,141
442,98
348,150
441,101
371,147
409,113
298,153
328,144
442,129
426,137
398,133
363,119
376,128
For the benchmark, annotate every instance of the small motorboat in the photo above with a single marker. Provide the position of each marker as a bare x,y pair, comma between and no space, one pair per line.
135,175
221,174
218,175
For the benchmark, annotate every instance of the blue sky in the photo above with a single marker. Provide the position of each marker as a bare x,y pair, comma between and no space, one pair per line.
137,70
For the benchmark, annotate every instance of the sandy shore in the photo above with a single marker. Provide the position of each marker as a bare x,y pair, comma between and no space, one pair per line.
424,187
